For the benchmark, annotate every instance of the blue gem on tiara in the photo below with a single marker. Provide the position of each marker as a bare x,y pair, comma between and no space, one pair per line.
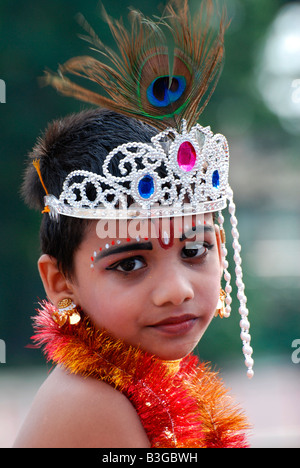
216,179
146,187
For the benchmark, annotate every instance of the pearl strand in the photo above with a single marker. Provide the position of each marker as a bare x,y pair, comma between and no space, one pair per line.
225,265
244,312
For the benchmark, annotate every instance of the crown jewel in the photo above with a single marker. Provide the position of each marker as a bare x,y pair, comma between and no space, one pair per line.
174,174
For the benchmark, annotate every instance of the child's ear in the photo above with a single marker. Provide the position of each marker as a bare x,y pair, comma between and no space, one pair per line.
218,239
56,285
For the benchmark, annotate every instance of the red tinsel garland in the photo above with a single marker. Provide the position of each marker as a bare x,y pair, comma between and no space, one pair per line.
187,407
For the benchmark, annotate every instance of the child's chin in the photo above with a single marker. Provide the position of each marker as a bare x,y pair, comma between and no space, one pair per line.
176,354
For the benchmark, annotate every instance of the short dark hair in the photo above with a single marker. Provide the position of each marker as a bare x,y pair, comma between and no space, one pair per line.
79,141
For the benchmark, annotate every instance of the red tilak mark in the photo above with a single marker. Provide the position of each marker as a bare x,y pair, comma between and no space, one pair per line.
166,243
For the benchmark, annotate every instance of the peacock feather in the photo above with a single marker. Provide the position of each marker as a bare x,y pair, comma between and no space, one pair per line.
166,69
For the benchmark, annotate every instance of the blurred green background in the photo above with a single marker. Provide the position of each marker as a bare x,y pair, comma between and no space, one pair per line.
256,105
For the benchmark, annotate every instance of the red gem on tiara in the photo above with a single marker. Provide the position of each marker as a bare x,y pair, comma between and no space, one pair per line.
186,156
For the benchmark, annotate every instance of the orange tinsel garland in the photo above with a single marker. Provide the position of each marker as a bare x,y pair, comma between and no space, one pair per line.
186,407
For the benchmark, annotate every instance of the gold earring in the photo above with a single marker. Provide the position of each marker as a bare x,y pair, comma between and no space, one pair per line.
221,304
66,311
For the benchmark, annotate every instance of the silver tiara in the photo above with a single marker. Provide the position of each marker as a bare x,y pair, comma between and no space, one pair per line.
175,174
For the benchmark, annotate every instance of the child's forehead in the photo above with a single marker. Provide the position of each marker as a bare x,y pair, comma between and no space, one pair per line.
127,235
151,228
114,232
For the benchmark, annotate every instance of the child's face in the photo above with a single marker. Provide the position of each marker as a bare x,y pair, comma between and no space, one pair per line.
162,299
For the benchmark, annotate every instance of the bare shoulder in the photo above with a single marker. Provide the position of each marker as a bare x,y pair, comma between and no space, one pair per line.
72,411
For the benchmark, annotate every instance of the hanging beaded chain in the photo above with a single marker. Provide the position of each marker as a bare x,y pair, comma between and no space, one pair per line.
244,312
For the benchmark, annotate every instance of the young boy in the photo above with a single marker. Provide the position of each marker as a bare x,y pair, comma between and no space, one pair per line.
125,310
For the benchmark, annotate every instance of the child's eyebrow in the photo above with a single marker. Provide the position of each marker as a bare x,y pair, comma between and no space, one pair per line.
124,248
195,230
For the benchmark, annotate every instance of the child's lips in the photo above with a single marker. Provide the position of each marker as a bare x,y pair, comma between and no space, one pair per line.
177,324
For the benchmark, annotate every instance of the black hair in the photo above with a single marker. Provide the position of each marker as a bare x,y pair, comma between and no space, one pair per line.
79,141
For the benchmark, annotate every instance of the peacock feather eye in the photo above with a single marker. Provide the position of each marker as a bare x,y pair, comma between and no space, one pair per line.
162,91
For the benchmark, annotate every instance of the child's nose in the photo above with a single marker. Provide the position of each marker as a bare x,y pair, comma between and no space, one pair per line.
172,287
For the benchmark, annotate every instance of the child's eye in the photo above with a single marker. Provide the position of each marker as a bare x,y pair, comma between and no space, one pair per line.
127,265
195,250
